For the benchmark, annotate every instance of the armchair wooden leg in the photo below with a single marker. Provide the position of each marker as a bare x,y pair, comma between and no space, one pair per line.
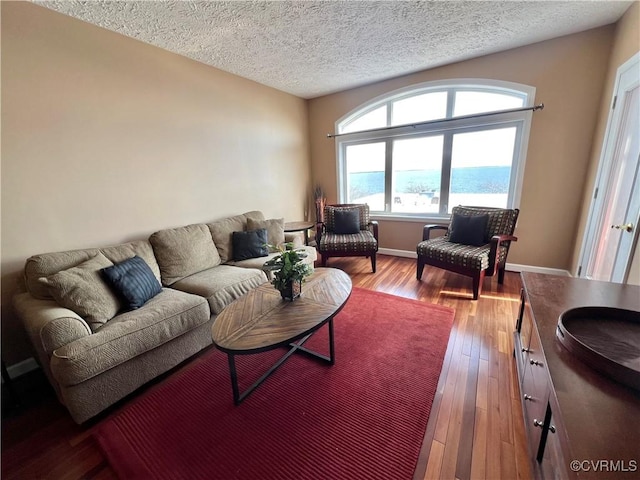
323,259
478,278
501,270
373,262
420,269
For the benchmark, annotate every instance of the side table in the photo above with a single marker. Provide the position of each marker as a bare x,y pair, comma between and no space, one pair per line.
290,227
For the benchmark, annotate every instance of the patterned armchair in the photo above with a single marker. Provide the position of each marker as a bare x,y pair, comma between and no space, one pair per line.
476,244
347,231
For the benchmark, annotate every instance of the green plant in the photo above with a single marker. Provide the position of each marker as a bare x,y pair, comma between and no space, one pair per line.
287,267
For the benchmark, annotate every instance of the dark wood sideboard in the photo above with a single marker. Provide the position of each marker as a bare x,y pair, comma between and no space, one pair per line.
578,423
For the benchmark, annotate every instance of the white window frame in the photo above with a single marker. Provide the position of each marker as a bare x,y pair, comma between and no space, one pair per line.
522,121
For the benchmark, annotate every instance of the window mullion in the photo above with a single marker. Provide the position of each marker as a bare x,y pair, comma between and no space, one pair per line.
447,147
388,164
388,169
445,179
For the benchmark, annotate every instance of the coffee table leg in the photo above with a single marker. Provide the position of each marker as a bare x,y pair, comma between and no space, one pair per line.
332,352
234,379
238,398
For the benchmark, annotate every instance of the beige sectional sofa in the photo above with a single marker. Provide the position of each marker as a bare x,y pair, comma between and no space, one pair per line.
93,350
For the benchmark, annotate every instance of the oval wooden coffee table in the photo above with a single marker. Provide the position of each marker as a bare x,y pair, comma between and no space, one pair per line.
261,321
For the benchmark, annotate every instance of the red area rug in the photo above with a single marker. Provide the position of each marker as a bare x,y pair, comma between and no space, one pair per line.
362,418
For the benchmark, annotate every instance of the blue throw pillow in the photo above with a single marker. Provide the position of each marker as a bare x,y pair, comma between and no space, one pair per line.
346,221
133,280
250,244
468,229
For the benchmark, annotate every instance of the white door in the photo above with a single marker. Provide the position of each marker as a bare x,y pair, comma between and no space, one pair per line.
611,233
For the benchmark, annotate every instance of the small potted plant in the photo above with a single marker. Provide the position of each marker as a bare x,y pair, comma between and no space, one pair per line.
288,271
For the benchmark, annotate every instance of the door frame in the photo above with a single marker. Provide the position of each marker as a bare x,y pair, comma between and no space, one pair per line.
604,173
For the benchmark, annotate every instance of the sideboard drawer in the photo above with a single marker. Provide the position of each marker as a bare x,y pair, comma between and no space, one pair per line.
535,394
553,464
522,340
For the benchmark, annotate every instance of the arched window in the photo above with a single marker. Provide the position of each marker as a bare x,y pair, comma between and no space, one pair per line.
442,151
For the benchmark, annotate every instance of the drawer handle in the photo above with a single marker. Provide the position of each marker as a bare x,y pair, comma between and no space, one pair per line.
535,362
527,397
537,423
552,429
525,350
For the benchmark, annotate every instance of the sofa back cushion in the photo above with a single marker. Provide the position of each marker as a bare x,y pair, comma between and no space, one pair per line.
183,251
274,227
141,248
222,232
46,264
83,290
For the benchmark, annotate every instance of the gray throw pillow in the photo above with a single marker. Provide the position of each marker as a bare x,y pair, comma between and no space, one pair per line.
83,290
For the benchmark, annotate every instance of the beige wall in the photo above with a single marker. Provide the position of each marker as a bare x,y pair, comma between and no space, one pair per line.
106,139
626,43
569,74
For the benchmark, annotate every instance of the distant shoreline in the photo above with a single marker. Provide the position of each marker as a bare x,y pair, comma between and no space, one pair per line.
414,203
466,180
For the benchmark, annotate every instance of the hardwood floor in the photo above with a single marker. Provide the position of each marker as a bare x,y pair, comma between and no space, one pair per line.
475,429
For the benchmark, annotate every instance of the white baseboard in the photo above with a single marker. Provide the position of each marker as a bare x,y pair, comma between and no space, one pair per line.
512,267
22,367
397,253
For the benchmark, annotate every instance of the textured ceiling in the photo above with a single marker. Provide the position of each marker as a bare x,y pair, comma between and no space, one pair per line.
311,48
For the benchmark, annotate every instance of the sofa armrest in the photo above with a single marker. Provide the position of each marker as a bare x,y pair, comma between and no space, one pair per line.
297,238
49,325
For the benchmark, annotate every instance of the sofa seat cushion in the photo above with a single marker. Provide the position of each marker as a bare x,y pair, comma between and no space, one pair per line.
222,285
163,318
184,251
363,241
466,256
312,256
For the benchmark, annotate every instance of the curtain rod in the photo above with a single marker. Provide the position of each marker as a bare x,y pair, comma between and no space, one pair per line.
430,122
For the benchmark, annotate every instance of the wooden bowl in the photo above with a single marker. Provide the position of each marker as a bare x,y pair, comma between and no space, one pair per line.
606,338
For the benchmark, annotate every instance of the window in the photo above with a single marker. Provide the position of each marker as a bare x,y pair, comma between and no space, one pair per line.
441,151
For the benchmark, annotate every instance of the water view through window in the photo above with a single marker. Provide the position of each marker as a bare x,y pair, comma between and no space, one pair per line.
480,171
432,168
